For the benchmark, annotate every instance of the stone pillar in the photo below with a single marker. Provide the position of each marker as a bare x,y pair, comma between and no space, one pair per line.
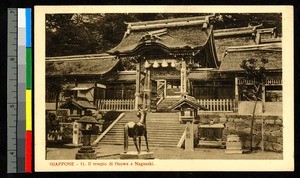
263,97
262,134
236,94
137,85
76,134
189,136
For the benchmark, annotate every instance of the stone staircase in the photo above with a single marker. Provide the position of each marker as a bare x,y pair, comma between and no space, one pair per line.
164,105
163,130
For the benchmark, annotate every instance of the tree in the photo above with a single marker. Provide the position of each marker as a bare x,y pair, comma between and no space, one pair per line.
57,86
255,72
72,34
68,34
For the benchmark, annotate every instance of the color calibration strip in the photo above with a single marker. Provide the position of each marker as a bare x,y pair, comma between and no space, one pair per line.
19,82
28,148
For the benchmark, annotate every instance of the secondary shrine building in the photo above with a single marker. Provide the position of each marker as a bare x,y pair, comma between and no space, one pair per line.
165,59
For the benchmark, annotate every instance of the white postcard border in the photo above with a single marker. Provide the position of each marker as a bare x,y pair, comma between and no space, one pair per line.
286,164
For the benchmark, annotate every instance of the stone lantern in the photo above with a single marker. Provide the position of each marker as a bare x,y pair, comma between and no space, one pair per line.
86,151
187,108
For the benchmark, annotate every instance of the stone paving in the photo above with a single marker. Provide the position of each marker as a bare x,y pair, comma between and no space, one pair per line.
113,151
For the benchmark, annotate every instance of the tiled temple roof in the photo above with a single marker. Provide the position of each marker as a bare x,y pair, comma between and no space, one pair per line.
82,104
122,76
235,55
171,34
187,100
242,36
94,64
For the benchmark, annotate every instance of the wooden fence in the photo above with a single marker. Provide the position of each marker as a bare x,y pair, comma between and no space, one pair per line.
116,104
218,105
213,105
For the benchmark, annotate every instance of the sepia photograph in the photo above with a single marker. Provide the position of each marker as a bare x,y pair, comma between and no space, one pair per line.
126,90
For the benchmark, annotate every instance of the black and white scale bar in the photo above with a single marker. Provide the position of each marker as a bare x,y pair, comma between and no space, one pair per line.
12,89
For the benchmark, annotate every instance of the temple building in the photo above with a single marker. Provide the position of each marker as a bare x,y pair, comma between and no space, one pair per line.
163,60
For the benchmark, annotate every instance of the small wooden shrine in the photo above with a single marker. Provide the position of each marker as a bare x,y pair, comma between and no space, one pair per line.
187,108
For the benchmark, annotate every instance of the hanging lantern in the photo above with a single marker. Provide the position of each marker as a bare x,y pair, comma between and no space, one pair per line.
155,65
147,64
164,63
173,64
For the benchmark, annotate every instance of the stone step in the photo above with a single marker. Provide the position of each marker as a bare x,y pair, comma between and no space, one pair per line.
154,138
143,146
233,151
150,133
143,143
149,123
153,127
121,142
162,114
149,138
164,130
158,139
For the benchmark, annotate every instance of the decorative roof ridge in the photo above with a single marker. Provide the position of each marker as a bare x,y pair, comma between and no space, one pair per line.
238,28
269,46
236,31
101,55
176,22
158,32
189,100
271,40
266,30
163,21
127,72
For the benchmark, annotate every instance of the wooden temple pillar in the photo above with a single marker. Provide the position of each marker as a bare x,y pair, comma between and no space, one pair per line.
147,88
263,97
236,95
183,78
137,85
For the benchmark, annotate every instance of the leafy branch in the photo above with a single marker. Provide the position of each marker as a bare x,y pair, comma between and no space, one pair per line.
255,74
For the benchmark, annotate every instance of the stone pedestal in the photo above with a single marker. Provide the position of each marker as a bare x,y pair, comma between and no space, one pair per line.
211,135
233,144
135,155
86,152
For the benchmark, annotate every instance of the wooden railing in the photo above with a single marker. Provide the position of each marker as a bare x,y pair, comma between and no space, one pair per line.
269,81
218,105
274,81
115,104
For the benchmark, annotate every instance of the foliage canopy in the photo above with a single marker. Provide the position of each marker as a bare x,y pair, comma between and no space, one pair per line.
74,34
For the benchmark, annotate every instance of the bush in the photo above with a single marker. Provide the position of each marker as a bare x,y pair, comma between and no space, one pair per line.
109,118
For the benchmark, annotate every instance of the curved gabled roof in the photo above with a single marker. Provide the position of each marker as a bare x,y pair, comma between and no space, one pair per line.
171,34
82,104
187,100
93,64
